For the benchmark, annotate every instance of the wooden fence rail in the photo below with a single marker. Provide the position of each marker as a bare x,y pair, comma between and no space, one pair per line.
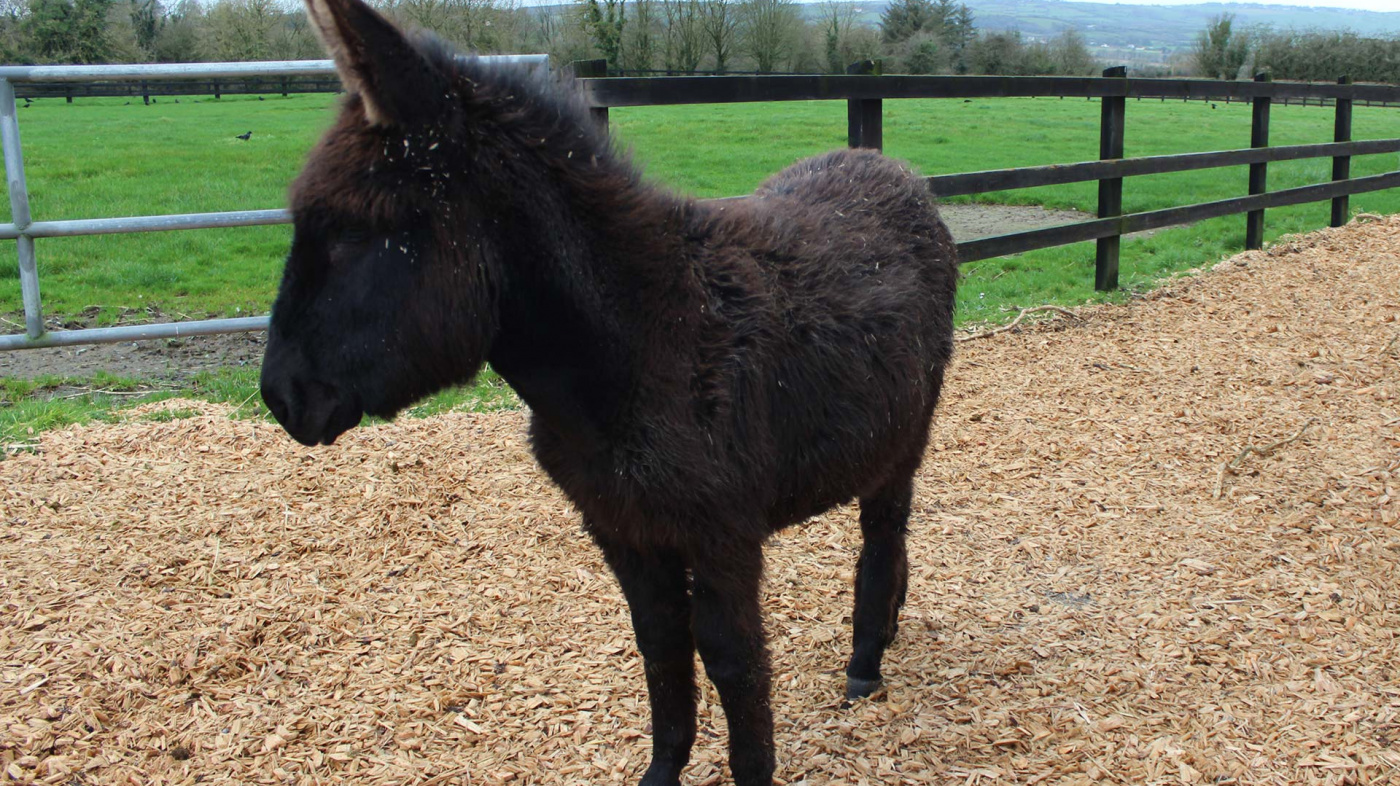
864,91
672,90
147,89
1063,174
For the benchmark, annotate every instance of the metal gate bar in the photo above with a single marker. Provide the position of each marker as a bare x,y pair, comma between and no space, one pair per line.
117,226
24,230
19,209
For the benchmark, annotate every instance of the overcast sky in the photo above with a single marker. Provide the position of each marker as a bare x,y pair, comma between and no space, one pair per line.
1365,5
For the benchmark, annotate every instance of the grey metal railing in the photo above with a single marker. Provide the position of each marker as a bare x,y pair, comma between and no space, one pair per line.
24,229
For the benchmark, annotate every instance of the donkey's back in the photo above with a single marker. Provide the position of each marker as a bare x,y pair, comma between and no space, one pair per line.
833,291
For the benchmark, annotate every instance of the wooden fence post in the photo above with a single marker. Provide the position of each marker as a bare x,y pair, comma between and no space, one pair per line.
1258,173
218,91
1112,119
145,93
588,69
864,116
1341,165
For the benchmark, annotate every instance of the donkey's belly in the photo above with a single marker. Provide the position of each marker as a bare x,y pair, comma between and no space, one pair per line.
818,487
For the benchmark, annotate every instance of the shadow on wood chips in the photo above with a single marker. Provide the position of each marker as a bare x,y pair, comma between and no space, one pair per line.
1094,598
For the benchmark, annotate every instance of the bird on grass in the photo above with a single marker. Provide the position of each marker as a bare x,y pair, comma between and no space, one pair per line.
246,137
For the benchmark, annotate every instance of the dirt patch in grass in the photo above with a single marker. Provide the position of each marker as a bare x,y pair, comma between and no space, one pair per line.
973,221
1107,585
159,360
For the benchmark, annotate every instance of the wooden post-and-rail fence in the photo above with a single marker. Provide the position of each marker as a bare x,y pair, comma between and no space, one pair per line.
864,90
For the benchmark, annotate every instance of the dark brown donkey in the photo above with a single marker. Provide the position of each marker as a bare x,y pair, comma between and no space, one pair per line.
699,375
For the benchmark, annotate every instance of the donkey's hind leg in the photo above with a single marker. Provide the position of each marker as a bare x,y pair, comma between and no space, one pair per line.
882,577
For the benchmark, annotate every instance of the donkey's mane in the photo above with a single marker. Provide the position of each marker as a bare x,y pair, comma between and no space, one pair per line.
534,107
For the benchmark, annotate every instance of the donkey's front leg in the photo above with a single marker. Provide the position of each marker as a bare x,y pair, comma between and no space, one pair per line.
728,628
655,586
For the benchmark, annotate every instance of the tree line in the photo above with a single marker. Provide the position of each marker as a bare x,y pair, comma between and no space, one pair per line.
1224,50
634,36
668,36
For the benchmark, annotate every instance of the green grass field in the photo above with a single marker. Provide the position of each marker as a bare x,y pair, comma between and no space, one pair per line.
717,150
106,157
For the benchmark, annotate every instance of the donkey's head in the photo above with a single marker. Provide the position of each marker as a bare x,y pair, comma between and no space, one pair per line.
389,291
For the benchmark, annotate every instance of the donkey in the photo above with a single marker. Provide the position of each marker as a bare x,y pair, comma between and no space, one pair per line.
699,375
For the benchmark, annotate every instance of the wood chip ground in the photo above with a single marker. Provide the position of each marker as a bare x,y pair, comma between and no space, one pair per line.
1107,585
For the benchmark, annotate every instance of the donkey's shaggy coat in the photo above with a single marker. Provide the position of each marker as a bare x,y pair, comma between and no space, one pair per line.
700,374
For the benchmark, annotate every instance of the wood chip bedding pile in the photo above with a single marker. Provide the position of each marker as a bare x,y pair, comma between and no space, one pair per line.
1107,586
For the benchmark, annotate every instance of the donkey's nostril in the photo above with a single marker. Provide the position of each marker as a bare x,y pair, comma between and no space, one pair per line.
276,402
312,412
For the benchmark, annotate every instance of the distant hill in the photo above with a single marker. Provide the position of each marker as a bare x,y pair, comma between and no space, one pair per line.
1136,34
1163,27
1139,35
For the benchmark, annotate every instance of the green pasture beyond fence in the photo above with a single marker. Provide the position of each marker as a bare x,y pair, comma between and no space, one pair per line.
864,94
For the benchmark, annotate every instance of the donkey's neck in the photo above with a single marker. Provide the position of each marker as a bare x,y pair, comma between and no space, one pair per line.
594,258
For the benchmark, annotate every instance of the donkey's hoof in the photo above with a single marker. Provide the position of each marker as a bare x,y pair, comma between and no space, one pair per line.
857,688
661,776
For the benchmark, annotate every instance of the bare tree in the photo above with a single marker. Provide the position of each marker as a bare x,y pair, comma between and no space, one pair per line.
422,14
770,31
476,25
720,22
641,36
179,39
808,52
241,30
12,37
1070,54
559,32
293,39
838,20
504,27
128,35
683,35
147,18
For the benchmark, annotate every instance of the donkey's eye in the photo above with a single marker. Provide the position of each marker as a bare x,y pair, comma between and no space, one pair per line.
347,246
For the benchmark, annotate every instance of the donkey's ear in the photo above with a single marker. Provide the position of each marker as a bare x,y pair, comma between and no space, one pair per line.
395,82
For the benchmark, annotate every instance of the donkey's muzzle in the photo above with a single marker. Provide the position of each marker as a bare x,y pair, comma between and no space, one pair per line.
312,412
